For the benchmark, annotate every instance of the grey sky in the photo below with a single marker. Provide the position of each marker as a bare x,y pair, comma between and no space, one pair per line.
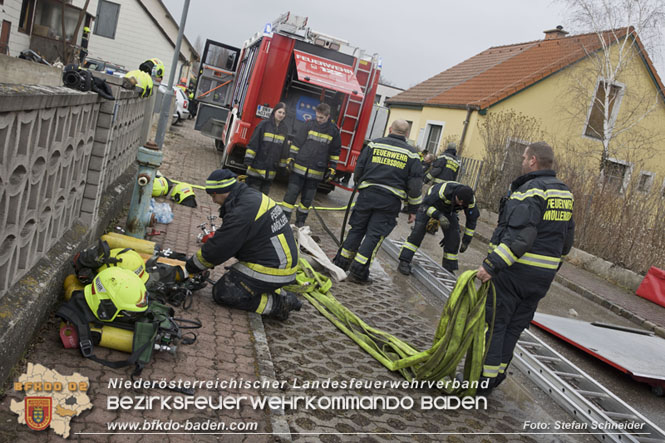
416,39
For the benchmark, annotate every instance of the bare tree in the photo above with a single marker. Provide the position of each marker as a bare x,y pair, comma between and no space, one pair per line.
505,134
623,31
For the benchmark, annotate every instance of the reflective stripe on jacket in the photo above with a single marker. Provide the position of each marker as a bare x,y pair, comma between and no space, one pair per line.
392,165
257,233
440,199
536,226
316,148
266,150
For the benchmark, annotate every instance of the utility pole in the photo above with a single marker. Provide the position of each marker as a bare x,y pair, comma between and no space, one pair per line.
150,156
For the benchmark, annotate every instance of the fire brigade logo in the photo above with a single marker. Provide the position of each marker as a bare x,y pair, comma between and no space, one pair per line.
38,412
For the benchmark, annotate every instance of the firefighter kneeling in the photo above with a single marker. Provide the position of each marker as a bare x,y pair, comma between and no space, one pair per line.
256,231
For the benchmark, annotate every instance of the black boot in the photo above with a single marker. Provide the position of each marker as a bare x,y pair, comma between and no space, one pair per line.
300,219
404,267
342,262
292,300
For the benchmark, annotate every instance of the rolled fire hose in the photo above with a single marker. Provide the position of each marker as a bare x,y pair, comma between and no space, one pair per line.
460,332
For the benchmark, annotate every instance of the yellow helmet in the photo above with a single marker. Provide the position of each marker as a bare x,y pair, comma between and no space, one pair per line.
160,187
158,68
114,292
127,259
183,194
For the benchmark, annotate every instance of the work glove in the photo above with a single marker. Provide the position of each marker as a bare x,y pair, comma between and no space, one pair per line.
444,222
465,243
432,225
242,178
329,175
289,164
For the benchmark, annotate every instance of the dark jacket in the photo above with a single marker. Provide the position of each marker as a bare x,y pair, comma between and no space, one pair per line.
257,233
440,199
444,168
536,226
315,149
265,149
391,165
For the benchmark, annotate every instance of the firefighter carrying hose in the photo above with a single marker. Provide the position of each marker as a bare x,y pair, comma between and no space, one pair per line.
441,204
257,233
444,168
264,151
313,157
535,230
388,171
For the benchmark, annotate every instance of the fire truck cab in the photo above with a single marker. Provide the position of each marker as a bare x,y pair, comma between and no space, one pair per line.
288,62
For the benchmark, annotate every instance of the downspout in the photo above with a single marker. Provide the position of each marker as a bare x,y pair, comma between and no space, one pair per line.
469,111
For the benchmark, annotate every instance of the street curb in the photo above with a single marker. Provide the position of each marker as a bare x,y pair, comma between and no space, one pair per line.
590,295
280,427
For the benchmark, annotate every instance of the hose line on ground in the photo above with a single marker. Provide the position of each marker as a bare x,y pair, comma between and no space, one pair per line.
460,332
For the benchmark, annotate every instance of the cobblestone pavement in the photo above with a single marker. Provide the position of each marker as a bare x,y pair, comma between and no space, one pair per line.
308,348
224,349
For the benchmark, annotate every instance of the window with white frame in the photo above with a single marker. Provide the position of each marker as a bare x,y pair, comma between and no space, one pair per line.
107,18
595,124
430,136
615,174
645,181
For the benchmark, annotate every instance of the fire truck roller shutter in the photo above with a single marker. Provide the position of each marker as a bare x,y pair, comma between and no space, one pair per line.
327,74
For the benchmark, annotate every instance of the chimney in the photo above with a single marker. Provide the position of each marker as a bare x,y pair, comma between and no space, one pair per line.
555,33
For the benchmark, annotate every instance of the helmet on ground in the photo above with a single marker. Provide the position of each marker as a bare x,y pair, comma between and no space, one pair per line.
127,259
160,187
183,194
115,292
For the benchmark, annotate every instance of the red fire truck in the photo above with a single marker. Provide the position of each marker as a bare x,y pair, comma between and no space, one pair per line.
288,62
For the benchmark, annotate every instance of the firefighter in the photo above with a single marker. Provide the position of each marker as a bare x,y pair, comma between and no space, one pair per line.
153,67
388,171
535,230
264,151
441,204
257,233
444,168
313,157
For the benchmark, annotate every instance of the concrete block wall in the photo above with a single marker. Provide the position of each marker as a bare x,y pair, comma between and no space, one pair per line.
118,135
59,151
44,155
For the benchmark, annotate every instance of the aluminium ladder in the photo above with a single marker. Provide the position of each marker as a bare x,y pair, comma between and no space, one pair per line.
571,388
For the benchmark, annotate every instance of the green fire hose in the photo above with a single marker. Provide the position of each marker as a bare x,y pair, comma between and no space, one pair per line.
460,333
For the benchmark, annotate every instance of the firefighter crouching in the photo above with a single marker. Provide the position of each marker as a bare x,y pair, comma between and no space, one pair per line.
442,203
313,157
257,233
388,171
535,229
264,151
444,168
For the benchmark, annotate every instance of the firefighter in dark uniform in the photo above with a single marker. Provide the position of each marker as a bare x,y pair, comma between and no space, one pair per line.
257,233
442,203
388,172
535,230
444,168
313,157
265,150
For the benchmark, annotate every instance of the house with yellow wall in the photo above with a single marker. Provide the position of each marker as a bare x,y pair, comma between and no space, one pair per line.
555,82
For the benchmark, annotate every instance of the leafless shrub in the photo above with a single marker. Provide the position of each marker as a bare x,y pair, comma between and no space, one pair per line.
505,134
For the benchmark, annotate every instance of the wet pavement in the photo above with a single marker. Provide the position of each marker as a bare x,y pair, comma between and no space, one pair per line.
307,349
